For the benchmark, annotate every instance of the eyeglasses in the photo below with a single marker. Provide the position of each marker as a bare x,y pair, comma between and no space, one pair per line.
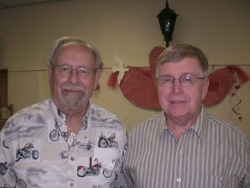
65,70
185,80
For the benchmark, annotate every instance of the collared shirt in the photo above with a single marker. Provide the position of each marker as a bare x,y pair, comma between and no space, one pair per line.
35,150
211,154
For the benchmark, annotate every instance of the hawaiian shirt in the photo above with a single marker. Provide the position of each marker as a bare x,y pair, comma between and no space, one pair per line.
35,152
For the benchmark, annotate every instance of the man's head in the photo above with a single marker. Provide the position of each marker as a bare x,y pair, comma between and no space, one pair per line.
181,77
178,52
74,40
73,73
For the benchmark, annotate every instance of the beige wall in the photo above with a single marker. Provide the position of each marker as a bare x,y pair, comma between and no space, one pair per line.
128,29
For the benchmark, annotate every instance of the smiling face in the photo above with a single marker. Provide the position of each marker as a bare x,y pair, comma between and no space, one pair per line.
178,102
69,92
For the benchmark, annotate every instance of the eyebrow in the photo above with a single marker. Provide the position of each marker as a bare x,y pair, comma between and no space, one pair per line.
76,68
183,74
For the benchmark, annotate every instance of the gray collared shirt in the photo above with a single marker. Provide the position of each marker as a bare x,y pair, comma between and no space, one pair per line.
211,154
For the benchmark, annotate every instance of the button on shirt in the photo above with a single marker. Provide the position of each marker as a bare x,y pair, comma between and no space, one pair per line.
34,149
211,154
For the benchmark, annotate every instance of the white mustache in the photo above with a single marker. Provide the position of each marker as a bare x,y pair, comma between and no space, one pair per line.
74,88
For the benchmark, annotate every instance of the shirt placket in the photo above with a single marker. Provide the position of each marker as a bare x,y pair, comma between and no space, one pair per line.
72,169
179,153
72,162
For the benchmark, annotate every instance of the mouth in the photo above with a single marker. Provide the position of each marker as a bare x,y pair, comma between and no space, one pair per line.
73,90
177,102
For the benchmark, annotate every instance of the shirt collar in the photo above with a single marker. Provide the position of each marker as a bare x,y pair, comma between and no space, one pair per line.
162,123
201,123
199,126
59,116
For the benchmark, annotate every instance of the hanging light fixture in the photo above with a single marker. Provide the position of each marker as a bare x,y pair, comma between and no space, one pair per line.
167,18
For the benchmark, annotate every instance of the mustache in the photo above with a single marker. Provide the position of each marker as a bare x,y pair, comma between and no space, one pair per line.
74,88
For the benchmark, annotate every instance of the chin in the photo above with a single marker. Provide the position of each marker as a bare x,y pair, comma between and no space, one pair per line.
72,101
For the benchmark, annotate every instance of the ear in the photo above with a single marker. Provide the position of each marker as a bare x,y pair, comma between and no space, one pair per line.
205,88
49,73
97,77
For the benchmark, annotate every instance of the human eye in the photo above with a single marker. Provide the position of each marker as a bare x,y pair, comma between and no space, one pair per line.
167,79
64,69
83,71
186,79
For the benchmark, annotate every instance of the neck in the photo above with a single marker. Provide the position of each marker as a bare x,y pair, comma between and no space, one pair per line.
71,112
178,126
74,120
74,125
74,113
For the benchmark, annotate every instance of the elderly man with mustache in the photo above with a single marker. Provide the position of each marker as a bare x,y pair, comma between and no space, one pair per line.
65,141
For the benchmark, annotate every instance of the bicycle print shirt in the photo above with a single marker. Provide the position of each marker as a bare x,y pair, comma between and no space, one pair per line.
34,149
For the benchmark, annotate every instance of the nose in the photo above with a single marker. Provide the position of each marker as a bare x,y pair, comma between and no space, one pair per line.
73,77
177,88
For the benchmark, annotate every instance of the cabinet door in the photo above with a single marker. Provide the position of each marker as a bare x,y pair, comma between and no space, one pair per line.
3,93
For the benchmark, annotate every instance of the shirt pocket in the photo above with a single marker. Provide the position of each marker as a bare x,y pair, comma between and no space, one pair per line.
210,180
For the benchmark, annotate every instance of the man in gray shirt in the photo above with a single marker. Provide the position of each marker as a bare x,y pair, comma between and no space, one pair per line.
183,146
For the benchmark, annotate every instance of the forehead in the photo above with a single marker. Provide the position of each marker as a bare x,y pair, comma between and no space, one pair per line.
70,53
187,65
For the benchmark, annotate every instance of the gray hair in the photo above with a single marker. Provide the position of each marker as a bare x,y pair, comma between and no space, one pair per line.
178,52
74,40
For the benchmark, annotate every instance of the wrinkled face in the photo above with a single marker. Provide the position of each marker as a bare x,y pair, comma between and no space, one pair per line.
72,91
178,101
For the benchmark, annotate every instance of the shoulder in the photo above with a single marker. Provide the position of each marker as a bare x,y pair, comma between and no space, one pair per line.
41,106
147,126
99,112
100,115
224,128
32,114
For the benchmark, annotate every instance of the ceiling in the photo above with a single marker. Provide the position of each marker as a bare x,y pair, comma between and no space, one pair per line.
15,3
